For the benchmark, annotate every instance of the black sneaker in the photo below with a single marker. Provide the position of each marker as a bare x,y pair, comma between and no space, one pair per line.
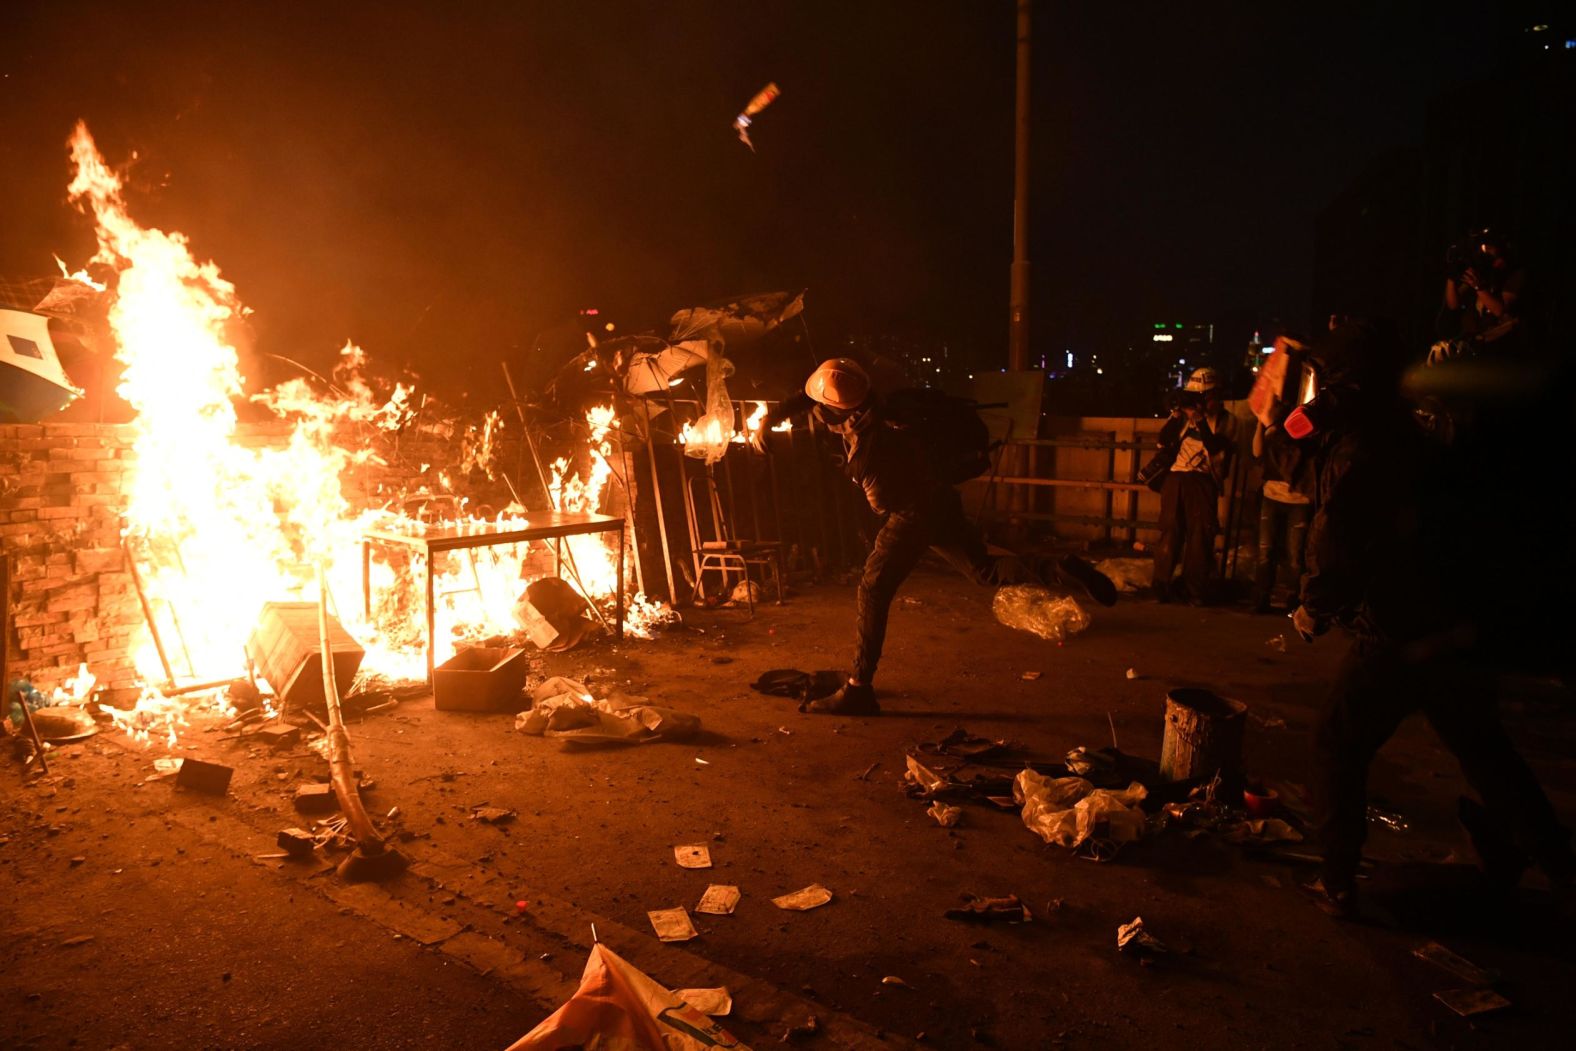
852,699
1096,584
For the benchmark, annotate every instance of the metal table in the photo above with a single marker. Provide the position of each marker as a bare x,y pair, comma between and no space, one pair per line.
541,525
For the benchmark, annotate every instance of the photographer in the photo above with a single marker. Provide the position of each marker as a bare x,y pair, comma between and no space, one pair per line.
1482,300
1203,434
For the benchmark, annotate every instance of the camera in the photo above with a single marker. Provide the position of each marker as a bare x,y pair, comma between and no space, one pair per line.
1461,257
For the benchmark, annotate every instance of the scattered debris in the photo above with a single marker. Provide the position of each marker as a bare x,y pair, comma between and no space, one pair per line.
799,685
316,798
1278,643
1128,574
1069,811
296,842
200,776
493,815
1470,1002
672,925
277,735
1133,938
809,1027
1268,722
564,709
76,940
1007,909
717,1003
811,897
692,857
1132,673
946,816
1031,676
893,979
1462,968
720,899
164,767
1031,608
964,745
702,762
865,775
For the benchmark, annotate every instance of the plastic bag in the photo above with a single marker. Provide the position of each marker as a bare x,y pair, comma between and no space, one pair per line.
1067,811
1031,608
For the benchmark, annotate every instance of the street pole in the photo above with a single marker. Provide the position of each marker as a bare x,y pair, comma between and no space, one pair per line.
1018,334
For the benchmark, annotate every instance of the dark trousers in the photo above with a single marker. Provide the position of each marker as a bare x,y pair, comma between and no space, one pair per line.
1188,524
1283,535
1378,685
905,536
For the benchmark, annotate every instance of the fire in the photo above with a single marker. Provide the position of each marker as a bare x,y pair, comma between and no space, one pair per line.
220,528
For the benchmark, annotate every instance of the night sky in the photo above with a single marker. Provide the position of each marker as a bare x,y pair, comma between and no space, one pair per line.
443,187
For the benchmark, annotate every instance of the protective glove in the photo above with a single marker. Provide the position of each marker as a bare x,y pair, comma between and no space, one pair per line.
1307,625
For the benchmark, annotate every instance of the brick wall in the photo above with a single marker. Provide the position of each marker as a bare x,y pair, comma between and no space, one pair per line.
62,495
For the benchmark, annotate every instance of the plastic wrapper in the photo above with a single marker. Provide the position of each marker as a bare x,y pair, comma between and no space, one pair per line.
1128,574
1039,611
1069,811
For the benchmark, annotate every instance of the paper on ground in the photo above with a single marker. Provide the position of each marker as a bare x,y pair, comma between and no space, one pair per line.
695,857
672,925
812,897
720,899
715,1002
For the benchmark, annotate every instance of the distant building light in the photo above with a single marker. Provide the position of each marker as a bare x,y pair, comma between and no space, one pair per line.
1164,337
589,312
1099,372
609,326
1161,324
1179,324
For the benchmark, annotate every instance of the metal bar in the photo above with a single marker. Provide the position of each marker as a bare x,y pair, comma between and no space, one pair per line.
1075,483
432,620
621,585
662,516
1080,443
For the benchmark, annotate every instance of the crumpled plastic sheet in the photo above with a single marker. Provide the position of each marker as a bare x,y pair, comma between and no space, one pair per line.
564,708
1128,574
1069,811
1039,611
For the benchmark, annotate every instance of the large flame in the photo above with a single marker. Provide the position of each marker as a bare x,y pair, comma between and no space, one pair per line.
219,528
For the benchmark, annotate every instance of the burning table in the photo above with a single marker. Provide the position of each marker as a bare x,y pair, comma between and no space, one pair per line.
555,526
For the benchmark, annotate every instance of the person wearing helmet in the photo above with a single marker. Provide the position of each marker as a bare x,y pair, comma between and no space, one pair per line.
1204,435
899,446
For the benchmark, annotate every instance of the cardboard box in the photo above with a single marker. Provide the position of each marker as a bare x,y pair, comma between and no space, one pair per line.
480,680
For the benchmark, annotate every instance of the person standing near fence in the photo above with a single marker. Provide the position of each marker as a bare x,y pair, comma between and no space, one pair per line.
1204,435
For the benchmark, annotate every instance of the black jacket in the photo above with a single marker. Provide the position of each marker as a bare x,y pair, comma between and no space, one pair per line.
881,454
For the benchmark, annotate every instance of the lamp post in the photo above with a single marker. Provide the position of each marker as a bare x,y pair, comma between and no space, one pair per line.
1018,332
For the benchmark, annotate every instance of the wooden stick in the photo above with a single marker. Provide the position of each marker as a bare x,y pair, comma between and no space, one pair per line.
339,764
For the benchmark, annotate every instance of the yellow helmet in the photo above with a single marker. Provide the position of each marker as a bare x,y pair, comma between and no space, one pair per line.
840,383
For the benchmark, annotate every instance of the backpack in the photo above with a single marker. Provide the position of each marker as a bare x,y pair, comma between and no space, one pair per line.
948,429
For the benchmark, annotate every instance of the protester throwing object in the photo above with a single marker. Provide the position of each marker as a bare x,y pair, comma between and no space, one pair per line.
907,450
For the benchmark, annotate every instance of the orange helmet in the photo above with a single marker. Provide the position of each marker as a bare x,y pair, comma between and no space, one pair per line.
840,383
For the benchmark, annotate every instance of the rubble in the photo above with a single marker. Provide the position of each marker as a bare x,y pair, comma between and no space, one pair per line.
1004,909
1134,939
200,776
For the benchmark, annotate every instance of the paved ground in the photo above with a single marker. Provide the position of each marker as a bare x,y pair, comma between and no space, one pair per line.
196,941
